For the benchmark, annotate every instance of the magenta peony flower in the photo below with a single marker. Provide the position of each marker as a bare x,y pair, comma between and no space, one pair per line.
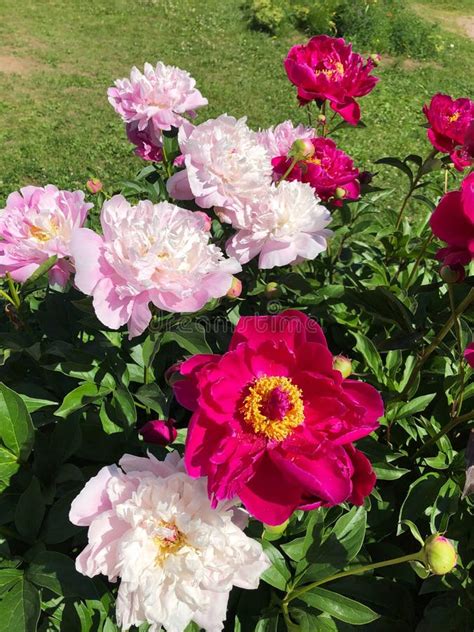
279,140
469,354
37,223
151,526
286,225
147,142
450,119
274,424
156,253
453,222
328,169
224,163
160,96
326,69
159,431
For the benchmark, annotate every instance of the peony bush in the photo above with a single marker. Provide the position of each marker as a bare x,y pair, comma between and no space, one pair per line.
237,391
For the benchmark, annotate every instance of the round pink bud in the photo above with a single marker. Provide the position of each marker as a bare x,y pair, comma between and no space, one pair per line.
343,365
235,289
453,273
302,149
376,58
94,185
440,555
159,431
322,118
272,290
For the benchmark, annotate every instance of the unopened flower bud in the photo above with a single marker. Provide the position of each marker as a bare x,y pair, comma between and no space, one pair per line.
322,118
94,185
206,220
235,289
440,555
452,274
302,149
272,290
375,58
340,193
276,529
159,431
343,365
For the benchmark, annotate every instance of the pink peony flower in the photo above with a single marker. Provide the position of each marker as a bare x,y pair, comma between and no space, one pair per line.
278,140
450,120
326,69
159,431
177,559
453,222
224,163
328,169
469,354
160,96
148,144
274,424
156,253
284,227
37,223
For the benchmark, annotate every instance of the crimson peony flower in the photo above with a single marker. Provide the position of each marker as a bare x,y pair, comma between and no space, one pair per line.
148,144
469,354
453,222
450,119
273,423
327,170
326,69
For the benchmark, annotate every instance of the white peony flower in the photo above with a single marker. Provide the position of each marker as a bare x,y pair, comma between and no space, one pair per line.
152,526
285,227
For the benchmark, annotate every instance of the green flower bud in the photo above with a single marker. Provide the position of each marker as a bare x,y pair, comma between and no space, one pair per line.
340,193
440,555
272,290
276,530
343,365
235,289
302,149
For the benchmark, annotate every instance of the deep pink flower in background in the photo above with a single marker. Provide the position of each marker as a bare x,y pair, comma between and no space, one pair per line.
328,169
224,162
151,526
453,222
148,144
278,140
469,354
159,431
450,121
326,69
36,224
274,424
156,253
160,95
285,225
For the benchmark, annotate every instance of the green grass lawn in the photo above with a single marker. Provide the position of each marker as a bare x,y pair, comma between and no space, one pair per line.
58,57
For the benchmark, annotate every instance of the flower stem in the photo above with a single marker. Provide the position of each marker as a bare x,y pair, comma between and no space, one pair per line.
412,557
288,171
420,173
438,339
13,292
419,258
457,403
447,428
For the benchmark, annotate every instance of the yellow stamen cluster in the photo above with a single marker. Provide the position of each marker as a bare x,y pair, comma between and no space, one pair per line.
168,545
454,117
258,395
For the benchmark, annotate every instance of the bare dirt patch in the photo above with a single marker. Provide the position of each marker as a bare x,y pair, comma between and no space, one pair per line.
11,65
454,22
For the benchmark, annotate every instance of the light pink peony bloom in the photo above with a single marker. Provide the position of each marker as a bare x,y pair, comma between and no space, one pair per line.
278,140
160,95
284,227
156,253
37,223
152,526
224,162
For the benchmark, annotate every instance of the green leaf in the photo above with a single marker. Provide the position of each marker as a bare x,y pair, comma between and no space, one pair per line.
33,403
16,429
339,607
9,577
387,472
152,397
20,608
416,405
8,466
81,396
124,407
370,354
398,164
278,574
191,337
57,573
44,268
420,498
30,511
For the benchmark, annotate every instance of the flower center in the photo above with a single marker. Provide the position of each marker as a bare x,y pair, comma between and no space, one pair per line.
337,69
44,234
273,407
454,117
168,540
